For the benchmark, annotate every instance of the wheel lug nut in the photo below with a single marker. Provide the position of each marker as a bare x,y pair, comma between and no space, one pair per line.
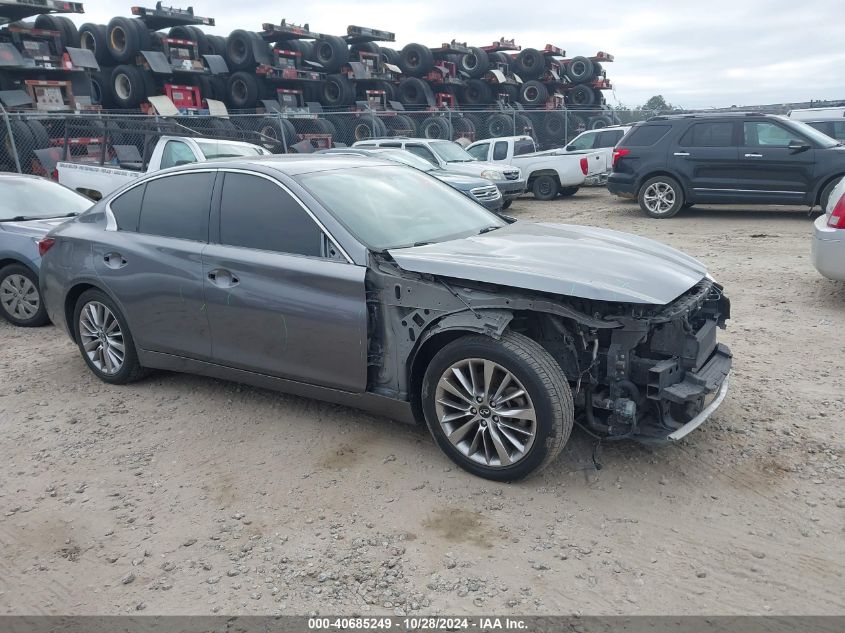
495,418
473,410
479,399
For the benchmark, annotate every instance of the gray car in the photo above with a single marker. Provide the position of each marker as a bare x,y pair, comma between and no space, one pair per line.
367,283
29,207
477,189
828,250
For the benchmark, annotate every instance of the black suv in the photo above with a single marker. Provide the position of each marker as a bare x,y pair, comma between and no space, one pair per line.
672,162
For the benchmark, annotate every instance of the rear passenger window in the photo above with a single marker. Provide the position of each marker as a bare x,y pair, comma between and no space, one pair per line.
500,150
177,206
520,148
646,135
272,220
709,135
126,208
609,139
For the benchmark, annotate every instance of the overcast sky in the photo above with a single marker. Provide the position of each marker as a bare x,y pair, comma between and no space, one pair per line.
697,54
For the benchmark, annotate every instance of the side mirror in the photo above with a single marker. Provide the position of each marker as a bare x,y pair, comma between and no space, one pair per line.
570,148
798,146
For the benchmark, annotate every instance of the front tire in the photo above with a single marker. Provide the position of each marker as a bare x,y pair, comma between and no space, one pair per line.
104,339
500,409
661,197
20,298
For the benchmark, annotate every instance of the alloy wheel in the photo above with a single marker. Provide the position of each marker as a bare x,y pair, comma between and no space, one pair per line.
19,297
102,338
485,412
659,198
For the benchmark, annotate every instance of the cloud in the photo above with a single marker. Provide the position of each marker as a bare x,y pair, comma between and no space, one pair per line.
695,54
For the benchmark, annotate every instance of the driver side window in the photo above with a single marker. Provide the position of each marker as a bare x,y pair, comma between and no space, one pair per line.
765,134
479,152
176,153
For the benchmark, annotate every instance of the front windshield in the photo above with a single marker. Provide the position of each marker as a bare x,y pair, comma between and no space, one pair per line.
813,134
396,207
221,149
35,198
406,158
451,152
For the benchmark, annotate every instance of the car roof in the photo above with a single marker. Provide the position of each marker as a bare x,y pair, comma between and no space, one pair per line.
708,115
289,164
401,139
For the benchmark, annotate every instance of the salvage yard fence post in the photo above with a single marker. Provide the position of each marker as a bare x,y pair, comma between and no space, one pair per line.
12,145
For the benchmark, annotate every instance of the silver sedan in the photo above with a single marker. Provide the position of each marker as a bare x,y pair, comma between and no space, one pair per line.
829,236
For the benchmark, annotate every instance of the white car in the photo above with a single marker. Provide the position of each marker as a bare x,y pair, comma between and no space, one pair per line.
550,173
829,236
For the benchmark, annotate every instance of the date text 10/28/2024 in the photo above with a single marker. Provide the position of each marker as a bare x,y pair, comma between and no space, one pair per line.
417,623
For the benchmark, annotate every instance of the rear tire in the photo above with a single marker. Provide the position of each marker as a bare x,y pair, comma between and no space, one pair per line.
95,314
661,197
493,445
20,298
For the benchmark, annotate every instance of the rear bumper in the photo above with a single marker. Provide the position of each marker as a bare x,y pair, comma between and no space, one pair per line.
828,250
622,185
511,188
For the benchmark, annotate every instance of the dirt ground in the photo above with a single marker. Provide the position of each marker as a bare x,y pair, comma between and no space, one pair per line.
186,495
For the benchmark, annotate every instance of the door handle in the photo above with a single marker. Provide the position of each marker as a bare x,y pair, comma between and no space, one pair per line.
681,153
114,260
223,278
754,156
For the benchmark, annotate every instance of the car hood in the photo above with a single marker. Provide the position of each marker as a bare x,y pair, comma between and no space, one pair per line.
565,259
34,228
459,180
476,167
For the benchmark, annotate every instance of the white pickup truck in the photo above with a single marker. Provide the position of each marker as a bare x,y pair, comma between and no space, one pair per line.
550,173
603,141
97,181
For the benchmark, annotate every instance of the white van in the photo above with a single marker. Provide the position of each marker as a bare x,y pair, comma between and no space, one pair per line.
830,121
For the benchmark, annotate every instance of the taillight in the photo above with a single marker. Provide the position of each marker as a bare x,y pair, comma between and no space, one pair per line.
45,244
619,154
584,166
837,216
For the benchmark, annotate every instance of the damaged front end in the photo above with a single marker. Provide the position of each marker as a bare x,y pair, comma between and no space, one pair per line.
636,370
662,373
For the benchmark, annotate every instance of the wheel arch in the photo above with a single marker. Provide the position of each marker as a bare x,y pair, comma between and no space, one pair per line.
440,333
6,260
817,194
543,172
664,172
72,296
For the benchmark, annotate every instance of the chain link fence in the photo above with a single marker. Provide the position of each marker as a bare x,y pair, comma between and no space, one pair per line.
33,142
